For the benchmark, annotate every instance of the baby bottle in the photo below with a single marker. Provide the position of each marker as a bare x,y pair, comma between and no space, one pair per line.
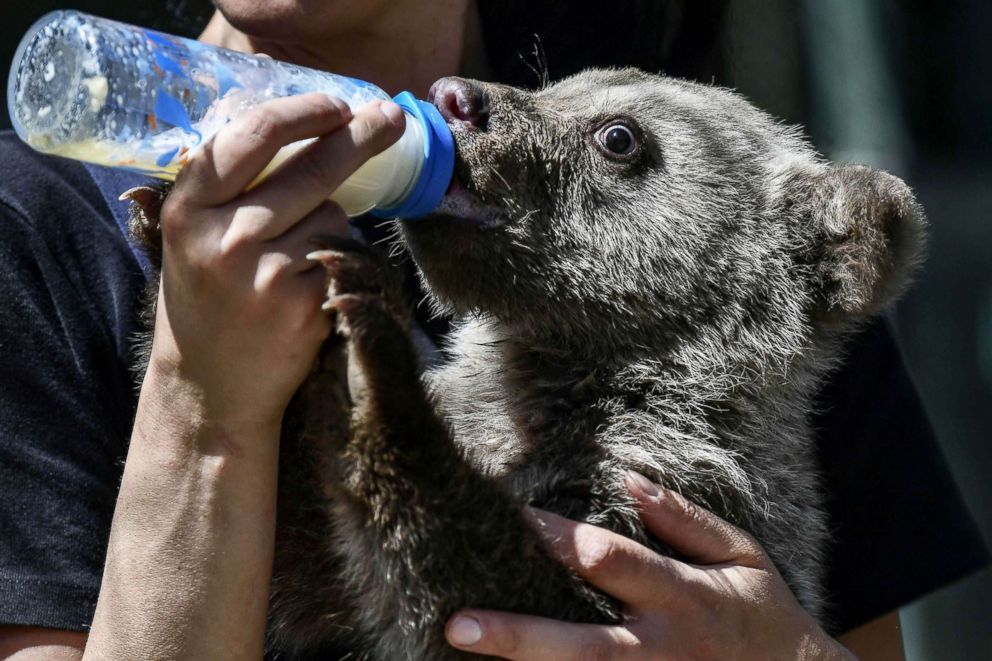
119,95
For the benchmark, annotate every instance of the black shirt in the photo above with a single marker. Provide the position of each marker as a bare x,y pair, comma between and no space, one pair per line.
69,286
69,289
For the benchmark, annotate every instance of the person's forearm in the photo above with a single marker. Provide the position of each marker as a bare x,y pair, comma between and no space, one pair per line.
190,553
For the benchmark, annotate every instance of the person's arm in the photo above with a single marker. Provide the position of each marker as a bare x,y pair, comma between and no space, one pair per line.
238,325
727,601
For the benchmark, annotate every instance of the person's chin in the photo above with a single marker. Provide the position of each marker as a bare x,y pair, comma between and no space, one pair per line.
294,20
273,20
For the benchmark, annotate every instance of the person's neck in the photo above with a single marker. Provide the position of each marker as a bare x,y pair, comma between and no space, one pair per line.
401,52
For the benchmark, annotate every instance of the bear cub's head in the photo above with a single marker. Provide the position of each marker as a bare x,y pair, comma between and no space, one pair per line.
620,211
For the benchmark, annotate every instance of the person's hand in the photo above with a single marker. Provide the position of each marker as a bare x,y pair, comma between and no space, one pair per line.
239,318
727,602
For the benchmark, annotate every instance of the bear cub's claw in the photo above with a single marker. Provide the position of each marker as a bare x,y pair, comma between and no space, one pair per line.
349,273
357,278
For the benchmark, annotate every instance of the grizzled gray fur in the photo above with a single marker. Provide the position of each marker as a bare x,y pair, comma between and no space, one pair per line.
665,299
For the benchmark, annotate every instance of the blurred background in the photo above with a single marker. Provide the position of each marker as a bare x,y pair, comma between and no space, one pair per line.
905,85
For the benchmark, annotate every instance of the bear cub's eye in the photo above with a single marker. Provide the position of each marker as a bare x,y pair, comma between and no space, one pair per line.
617,139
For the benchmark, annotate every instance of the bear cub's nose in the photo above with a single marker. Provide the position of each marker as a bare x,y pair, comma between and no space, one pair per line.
460,101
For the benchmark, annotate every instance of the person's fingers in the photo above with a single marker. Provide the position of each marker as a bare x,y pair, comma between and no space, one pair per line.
242,149
531,638
327,221
618,566
311,175
691,530
284,268
300,294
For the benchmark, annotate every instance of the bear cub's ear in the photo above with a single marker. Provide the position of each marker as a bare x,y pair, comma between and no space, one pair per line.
867,233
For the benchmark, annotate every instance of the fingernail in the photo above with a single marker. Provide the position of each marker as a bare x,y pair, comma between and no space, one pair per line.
530,514
392,112
642,484
533,517
548,526
465,631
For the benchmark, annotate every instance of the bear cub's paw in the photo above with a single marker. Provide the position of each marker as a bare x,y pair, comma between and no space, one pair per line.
359,281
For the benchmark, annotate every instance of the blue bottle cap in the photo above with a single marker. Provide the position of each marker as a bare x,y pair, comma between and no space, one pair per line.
439,161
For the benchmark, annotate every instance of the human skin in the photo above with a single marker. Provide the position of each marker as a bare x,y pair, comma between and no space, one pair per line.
193,530
726,600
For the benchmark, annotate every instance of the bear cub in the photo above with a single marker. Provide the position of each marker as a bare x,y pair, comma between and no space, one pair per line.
644,274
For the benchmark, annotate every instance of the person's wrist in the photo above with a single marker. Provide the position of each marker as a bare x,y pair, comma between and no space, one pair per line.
180,412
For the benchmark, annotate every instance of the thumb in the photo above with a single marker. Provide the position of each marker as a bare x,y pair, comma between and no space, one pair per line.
693,531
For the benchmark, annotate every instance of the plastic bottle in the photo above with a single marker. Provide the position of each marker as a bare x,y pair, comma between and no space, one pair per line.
124,96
